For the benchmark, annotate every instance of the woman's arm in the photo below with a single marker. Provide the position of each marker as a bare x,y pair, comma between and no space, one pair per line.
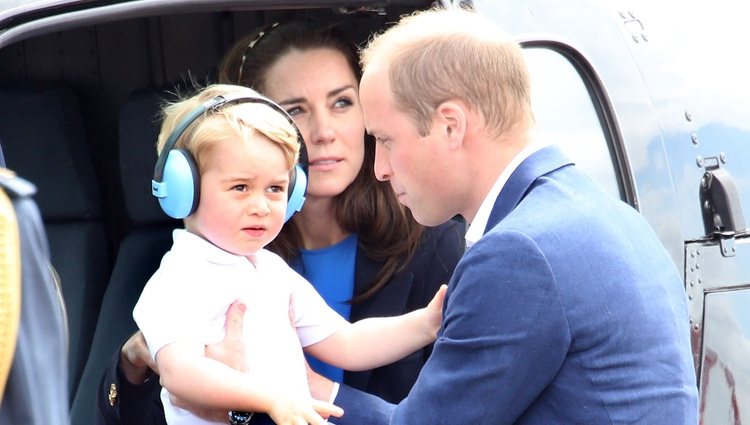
374,342
129,399
130,391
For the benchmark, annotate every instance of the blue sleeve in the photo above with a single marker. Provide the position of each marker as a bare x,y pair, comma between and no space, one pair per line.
503,339
361,408
121,403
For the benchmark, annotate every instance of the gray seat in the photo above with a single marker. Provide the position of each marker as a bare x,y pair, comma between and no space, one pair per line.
140,251
44,141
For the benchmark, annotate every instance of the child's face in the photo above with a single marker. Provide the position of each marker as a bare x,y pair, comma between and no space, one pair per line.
243,195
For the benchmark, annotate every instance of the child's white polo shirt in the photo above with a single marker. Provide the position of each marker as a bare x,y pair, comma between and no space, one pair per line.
188,297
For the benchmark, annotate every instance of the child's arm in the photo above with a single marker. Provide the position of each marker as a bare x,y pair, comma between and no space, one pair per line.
188,374
374,342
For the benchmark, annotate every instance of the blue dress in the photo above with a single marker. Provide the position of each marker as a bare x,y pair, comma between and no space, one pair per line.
331,272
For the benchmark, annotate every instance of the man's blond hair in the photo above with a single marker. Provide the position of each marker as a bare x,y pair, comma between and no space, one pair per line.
443,54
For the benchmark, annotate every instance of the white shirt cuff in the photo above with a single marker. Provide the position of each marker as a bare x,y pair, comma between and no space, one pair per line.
334,392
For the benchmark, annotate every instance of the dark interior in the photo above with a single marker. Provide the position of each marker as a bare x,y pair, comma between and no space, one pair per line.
104,64
79,120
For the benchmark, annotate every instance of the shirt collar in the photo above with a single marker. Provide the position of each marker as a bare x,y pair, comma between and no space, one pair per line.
198,247
478,225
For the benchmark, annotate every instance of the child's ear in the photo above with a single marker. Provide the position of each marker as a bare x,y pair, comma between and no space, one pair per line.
450,118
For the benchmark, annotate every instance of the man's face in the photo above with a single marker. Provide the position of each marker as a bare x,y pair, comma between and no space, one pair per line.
410,162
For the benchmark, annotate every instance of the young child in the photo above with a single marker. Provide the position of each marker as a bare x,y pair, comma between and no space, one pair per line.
243,152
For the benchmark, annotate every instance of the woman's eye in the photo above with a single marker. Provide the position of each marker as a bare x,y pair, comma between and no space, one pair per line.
294,111
343,102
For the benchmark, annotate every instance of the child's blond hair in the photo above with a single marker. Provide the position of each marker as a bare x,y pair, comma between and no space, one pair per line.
243,120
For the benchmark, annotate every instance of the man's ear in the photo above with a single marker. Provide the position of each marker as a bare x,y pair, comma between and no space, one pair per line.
451,120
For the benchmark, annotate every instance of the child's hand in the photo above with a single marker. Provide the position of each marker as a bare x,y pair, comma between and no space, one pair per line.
287,411
326,409
434,310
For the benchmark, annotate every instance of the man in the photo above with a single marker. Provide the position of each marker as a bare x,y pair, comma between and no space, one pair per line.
566,308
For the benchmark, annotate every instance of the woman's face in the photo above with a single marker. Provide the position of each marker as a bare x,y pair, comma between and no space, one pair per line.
320,91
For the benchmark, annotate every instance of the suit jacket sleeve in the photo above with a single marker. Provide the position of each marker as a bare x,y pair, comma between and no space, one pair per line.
503,339
361,408
131,404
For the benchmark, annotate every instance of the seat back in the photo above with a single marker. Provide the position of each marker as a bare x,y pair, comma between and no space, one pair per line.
44,141
140,251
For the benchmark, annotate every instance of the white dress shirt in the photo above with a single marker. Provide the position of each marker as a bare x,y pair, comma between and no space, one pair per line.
478,225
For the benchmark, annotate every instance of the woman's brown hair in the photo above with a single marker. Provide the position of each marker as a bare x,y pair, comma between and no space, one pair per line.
386,230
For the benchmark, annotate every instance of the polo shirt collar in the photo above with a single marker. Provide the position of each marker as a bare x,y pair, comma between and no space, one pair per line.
197,247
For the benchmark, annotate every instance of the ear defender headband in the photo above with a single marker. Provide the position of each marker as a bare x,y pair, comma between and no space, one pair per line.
176,180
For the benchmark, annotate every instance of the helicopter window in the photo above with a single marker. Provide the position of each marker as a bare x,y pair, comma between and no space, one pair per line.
565,115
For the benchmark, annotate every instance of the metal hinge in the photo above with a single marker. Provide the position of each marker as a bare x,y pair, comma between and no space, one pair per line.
720,206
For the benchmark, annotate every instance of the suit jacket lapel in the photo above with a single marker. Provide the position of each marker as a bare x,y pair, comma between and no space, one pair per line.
365,270
536,165
390,300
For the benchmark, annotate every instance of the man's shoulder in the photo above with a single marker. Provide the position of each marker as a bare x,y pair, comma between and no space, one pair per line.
506,246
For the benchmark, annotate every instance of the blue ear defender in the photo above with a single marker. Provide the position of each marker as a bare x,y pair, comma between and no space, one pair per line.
180,185
176,182
297,190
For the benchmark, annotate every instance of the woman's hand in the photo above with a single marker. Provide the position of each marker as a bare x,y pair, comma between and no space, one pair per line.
135,359
231,349
231,352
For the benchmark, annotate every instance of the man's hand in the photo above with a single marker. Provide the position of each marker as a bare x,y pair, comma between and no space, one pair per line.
135,360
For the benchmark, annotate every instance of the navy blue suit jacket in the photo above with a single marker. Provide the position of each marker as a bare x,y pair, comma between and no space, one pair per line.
567,311
409,289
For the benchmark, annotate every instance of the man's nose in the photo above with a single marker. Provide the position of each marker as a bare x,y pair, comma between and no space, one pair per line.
382,163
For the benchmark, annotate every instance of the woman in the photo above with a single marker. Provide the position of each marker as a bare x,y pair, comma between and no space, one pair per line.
353,240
